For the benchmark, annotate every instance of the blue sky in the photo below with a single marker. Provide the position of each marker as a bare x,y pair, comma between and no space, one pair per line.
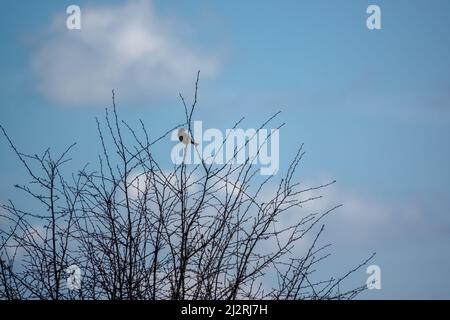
372,107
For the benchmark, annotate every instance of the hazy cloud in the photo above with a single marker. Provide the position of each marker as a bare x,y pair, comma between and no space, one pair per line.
127,47
366,220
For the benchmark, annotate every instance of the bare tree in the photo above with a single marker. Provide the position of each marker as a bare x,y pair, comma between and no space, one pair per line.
140,231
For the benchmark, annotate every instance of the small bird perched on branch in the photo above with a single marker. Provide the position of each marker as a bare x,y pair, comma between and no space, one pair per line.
185,138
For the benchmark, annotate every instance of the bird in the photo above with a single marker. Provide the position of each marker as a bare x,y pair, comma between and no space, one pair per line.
185,138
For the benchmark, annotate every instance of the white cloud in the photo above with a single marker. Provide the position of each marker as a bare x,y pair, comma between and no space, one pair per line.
125,47
369,220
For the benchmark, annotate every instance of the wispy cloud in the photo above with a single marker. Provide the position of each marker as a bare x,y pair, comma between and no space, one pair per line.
129,47
370,220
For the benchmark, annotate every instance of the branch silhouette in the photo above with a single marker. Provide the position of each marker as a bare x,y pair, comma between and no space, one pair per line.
139,231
